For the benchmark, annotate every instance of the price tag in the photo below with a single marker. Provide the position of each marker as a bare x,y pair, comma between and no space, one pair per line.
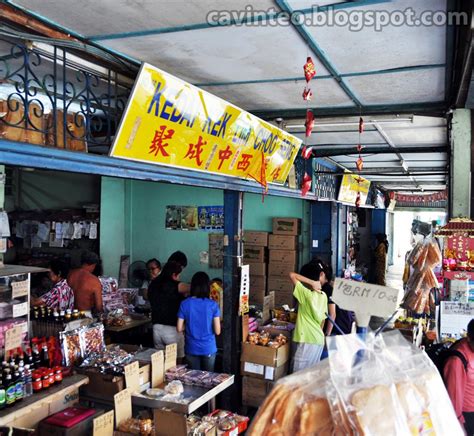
171,353
132,376
104,424
13,337
20,289
20,309
123,406
157,369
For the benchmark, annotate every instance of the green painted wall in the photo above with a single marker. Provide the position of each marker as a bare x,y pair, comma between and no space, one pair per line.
133,221
258,216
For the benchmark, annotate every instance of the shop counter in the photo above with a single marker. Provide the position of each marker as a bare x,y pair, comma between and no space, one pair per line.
30,411
199,395
134,323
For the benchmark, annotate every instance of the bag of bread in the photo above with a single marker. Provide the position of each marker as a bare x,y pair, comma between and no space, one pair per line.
421,391
297,405
367,392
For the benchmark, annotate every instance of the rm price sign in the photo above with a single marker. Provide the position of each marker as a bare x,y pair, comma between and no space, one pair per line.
170,122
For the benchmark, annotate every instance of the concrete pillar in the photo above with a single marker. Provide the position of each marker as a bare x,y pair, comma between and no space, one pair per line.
460,189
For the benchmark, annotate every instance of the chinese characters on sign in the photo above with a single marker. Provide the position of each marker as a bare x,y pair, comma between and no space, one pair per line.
183,126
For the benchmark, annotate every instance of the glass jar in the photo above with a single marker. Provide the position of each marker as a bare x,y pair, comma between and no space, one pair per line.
58,374
37,381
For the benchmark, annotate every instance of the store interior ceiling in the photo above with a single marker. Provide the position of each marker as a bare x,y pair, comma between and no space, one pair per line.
403,80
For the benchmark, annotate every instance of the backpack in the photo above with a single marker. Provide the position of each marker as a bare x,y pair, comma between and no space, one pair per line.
440,353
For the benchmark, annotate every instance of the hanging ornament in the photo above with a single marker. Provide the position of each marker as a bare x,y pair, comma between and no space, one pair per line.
361,125
306,152
306,184
309,123
359,148
309,69
360,164
307,94
357,202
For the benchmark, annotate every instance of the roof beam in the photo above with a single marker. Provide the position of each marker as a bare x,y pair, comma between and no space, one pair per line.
321,152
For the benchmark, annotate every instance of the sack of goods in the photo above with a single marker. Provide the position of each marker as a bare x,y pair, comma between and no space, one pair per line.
380,386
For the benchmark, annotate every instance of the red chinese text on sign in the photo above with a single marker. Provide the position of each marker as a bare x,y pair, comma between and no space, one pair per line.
195,150
224,155
244,163
158,145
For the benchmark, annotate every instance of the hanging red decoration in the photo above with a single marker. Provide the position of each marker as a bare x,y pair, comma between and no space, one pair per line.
360,164
306,152
306,184
359,148
307,94
309,123
309,69
361,125
357,202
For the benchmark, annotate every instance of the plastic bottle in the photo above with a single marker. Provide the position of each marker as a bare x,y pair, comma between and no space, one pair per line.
10,390
45,356
18,378
28,382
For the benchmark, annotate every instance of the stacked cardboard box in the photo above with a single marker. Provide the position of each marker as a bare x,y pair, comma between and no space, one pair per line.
255,255
283,258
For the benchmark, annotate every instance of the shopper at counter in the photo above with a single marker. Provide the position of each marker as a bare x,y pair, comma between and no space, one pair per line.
166,293
153,270
381,259
308,336
86,286
199,317
459,378
61,296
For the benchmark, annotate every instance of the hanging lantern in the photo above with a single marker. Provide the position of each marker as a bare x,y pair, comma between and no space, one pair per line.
361,125
306,152
309,123
359,148
360,164
309,69
307,94
306,184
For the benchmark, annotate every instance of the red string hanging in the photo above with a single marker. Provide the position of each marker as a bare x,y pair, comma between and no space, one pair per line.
359,163
309,123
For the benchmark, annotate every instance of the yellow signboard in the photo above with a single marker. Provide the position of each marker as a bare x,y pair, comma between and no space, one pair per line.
170,122
350,186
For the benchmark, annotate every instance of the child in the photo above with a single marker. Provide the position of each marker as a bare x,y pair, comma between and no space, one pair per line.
308,336
199,317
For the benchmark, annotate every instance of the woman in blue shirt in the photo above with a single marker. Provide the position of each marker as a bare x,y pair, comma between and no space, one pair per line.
199,318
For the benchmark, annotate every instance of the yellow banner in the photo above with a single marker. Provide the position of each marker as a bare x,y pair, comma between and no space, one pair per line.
352,184
170,122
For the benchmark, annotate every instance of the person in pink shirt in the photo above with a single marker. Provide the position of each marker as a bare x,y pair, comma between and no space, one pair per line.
459,379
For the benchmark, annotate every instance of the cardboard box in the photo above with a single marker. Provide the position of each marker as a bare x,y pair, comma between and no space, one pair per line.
282,242
290,256
258,282
264,372
286,226
256,238
255,390
281,269
276,328
173,423
256,296
257,269
265,356
284,297
268,306
277,283
254,253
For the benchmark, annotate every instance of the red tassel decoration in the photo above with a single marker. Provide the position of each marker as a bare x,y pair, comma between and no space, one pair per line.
306,184
306,152
357,203
309,69
360,164
361,125
309,124
307,94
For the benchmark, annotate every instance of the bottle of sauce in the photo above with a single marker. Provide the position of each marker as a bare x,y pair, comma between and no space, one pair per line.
75,314
10,390
3,395
62,316
56,317
28,382
18,377
45,356
68,316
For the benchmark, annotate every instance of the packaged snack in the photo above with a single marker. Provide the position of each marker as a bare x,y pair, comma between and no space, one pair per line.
93,338
174,388
71,346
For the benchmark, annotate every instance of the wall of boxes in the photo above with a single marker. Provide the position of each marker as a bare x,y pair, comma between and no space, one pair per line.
271,257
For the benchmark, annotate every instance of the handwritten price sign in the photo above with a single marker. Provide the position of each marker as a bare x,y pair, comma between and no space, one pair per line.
365,299
104,424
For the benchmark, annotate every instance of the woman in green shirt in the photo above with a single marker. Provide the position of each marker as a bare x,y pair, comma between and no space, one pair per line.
312,308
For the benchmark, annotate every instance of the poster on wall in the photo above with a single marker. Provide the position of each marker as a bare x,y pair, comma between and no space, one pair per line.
173,217
352,184
216,250
211,217
189,218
